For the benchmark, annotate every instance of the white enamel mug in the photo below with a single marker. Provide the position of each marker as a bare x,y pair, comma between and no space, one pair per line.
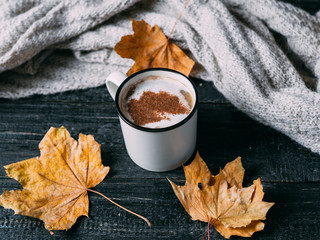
156,149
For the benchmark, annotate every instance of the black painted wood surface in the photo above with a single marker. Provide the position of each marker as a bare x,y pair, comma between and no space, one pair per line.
290,173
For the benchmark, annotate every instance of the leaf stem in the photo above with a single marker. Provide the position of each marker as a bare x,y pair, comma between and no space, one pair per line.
174,25
207,232
145,219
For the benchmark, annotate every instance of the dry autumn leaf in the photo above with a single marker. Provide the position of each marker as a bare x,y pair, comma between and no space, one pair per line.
150,48
55,184
221,201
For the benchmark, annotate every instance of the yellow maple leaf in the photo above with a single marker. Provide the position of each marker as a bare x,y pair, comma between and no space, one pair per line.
55,184
221,201
150,48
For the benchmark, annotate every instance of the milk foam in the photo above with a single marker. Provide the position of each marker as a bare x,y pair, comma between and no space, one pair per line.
156,84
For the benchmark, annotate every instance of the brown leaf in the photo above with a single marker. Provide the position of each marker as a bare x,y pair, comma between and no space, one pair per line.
221,200
55,184
150,48
234,173
247,231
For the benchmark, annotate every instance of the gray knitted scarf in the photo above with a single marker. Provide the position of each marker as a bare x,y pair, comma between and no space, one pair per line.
230,41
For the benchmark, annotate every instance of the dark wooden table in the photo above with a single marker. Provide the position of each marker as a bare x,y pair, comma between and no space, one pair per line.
290,173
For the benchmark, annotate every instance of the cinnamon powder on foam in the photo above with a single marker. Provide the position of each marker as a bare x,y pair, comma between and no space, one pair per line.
152,107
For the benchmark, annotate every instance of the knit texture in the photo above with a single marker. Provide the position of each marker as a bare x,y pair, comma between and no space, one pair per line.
53,46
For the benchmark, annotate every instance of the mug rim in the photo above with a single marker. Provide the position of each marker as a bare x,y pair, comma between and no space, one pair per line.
132,124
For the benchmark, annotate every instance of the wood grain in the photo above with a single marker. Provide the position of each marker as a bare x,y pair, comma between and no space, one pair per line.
294,216
289,172
224,133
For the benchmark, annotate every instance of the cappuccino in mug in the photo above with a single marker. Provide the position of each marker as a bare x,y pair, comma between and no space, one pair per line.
157,102
157,110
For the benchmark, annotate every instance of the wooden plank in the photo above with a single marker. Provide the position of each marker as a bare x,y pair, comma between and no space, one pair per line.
224,133
295,216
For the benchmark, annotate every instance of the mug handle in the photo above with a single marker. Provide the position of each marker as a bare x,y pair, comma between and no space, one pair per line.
113,82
